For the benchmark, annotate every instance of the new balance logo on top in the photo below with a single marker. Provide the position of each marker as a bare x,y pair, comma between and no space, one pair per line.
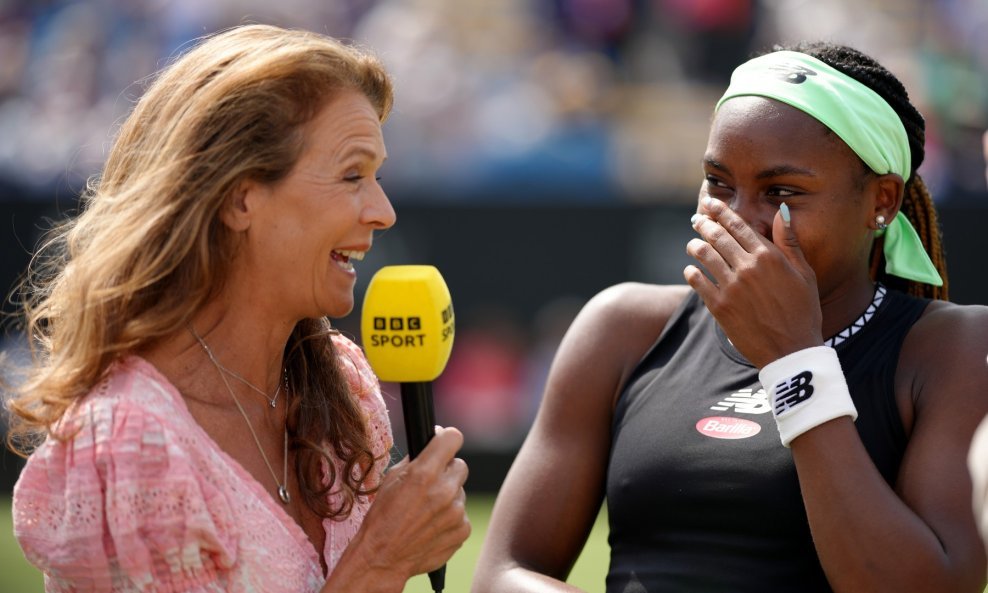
793,391
745,401
793,73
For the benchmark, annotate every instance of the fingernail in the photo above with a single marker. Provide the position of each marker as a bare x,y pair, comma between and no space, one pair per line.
694,219
784,210
707,201
437,428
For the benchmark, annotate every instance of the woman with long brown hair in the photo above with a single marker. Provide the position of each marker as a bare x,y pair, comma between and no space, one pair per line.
194,422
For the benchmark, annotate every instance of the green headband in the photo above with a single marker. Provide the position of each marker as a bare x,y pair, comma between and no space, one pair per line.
861,118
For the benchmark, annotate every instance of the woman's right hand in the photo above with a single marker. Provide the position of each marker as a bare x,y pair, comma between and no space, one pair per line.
415,524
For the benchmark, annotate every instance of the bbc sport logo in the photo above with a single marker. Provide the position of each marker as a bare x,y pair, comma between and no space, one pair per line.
397,323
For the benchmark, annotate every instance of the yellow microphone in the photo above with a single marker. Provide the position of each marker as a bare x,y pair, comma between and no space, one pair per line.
407,324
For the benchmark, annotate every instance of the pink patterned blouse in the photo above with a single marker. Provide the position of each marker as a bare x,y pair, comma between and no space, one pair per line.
141,499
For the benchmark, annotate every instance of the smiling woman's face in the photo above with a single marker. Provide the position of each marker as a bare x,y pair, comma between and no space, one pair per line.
307,229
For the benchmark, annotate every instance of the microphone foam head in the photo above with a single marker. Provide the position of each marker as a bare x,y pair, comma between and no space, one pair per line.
407,323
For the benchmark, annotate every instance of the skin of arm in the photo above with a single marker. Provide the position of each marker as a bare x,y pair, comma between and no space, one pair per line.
551,496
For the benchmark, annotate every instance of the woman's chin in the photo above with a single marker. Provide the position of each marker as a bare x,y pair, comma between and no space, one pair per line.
337,308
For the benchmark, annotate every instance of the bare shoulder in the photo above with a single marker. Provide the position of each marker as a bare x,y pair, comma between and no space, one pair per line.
630,315
619,324
949,335
948,346
600,349
637,301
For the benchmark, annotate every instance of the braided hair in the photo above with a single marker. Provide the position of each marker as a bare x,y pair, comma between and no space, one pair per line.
917,204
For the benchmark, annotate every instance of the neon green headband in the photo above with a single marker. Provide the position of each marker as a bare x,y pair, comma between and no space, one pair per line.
861,118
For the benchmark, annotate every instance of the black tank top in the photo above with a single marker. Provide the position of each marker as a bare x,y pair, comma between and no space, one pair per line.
701,494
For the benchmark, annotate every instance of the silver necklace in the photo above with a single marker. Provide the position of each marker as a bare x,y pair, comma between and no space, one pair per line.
272,400
283,484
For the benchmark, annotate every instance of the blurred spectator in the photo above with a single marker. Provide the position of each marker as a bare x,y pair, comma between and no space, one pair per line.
480,392
570,100
957,96
711,35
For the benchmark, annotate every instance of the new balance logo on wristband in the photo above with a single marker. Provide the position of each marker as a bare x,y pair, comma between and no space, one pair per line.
794,379
793,391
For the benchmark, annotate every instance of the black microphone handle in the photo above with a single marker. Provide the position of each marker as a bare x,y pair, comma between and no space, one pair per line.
420,415
420,427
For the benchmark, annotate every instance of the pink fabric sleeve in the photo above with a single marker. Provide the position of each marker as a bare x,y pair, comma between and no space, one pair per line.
122,498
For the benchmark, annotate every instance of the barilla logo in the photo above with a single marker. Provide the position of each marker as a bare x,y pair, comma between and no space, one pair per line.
725,427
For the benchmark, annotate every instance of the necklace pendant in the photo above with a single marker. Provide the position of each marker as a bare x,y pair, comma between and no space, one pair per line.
284,495
273,403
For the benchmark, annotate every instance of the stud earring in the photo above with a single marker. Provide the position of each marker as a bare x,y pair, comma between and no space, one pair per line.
880,222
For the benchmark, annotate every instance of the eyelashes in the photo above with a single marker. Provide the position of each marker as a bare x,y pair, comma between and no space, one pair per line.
782,192
358,178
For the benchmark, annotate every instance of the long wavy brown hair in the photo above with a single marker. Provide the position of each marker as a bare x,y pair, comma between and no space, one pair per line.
148,249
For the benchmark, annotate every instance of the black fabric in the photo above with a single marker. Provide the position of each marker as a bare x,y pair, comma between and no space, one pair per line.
693,513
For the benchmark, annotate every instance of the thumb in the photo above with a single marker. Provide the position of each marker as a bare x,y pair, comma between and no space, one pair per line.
785,239
441,449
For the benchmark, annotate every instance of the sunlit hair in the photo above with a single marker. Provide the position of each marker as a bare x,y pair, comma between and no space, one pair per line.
917,204
148,249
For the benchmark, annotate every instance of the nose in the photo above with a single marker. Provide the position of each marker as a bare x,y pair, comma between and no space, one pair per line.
755,211
378,211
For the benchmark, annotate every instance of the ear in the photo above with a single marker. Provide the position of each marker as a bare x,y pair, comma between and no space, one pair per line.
237,212
888,192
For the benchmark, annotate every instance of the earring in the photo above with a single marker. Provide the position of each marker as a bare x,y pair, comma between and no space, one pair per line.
880,222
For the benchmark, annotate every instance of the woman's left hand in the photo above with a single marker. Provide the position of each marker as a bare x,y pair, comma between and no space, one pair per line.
762,292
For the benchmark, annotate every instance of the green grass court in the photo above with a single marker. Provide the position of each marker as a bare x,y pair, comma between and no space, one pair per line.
17,576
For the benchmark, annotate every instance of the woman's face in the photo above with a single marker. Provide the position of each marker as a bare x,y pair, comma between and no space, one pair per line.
307,230
762,152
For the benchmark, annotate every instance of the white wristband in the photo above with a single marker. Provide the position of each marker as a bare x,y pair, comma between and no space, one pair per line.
806,389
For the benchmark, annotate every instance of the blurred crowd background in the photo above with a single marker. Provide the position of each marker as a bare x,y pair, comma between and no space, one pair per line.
540,149
590,100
